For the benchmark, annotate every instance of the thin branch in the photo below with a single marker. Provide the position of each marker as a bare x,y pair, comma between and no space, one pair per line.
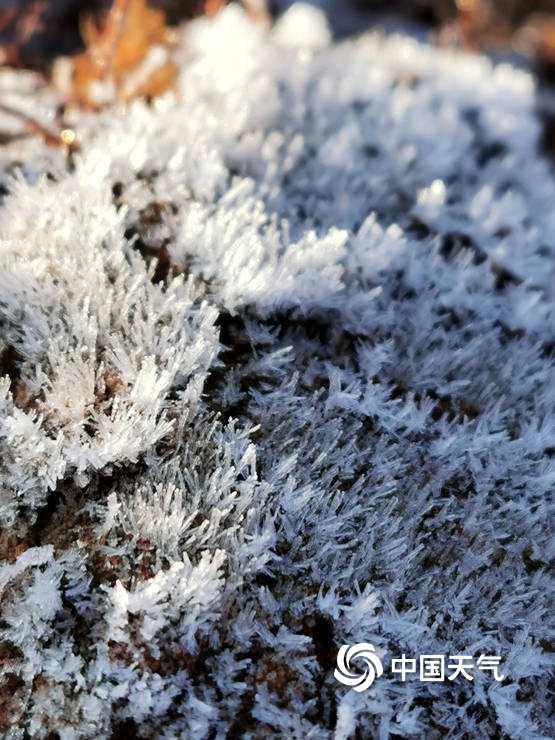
64,138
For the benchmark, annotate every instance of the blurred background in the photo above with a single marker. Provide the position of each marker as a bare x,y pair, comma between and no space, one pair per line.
34,32
80,46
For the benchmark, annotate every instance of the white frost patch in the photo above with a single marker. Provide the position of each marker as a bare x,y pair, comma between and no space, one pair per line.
323,415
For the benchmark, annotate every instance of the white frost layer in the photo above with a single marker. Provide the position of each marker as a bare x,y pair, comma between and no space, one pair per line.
334,422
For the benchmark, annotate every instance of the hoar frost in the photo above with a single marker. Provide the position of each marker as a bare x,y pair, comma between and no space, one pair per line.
278,371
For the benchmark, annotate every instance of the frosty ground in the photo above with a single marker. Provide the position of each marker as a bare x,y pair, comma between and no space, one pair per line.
278,357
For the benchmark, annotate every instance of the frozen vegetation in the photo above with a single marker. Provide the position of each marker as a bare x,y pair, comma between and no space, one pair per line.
278,358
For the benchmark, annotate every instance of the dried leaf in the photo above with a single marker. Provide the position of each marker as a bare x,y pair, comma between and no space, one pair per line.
127,55
211,7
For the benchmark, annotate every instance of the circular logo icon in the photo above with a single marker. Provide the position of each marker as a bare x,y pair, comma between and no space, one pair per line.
362,651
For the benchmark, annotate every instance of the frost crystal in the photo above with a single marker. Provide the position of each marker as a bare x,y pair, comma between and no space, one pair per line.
278,376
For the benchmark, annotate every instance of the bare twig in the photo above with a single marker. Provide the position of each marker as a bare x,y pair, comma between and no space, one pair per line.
64,138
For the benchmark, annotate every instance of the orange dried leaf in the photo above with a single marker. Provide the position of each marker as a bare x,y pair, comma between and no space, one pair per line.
211,7
127,56
143,27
